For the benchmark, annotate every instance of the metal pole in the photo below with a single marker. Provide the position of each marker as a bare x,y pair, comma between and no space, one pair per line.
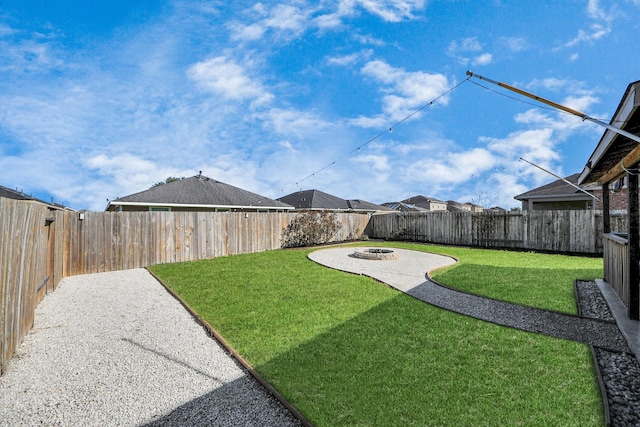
583,116
559,177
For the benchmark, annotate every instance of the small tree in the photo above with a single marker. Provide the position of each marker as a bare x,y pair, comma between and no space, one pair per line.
166,181
310,228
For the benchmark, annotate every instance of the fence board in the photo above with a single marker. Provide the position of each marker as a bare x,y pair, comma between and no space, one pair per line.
553,231
23,269
107,241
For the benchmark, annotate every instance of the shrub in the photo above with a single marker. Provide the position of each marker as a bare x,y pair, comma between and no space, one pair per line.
310,228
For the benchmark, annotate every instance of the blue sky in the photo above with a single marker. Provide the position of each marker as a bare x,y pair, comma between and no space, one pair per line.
101,99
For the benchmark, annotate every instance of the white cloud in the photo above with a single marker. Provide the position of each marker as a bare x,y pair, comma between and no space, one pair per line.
483,59
377,162
594,11
351,59
595,32
452,167
223,76
387,10
115,165
378,121
536,145
600,28
468,50
405,91
6,30
391,10
370,40
247,32
284,20
34,56
49,119
469,44
300,124
514,44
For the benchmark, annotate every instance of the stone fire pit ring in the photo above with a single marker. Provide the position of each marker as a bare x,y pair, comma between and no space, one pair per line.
375,254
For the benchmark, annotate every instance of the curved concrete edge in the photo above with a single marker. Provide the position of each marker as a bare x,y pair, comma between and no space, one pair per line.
408,274
404,273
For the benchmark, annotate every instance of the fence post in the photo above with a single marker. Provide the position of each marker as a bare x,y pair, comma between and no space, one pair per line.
634,247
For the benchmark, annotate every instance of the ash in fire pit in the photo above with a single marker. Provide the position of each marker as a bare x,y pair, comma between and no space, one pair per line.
375,254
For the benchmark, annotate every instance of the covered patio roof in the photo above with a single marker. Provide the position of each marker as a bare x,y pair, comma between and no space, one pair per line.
616,152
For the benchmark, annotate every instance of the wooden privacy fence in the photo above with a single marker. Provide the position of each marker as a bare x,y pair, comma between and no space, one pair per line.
41,246
555,231
26,270
616,265
108,241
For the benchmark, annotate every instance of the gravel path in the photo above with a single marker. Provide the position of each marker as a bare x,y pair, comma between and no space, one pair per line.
619,370
117,349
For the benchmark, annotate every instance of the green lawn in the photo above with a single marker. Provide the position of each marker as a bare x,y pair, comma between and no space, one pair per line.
528,278
346,350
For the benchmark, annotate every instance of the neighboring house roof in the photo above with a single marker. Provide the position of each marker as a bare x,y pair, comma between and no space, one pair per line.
314,199
613,147
361,205
404,207
453,206
473,207
19,195
421,200
198,192
557,190
319,200
13,194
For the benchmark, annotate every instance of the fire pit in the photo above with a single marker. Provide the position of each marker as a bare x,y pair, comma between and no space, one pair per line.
375,254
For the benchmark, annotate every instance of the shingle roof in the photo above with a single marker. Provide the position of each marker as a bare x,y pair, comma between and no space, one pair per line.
13,194
555,189
18,195
420,199
404,207
314,199
453,206
361,205
199,190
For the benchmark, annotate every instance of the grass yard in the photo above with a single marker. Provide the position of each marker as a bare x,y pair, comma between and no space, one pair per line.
528,278
346,350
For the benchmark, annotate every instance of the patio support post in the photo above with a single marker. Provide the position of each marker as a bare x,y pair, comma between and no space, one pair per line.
634,246
606,215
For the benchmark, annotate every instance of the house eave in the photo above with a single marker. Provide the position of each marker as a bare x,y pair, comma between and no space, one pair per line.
557,198
198,206
593,170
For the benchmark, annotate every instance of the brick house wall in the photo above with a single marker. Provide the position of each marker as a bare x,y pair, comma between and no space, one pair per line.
617,200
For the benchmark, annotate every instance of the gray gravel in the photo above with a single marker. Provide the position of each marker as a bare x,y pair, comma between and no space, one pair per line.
117,349
619,370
